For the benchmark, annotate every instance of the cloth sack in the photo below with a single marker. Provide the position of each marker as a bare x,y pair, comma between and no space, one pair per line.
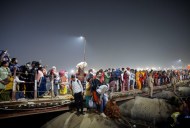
91,103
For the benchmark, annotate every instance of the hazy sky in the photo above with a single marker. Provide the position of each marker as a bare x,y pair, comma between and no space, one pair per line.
119,33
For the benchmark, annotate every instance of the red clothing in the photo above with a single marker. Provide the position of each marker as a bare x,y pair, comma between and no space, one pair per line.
95,97
156,79
125,76
102,78
125,82
156,75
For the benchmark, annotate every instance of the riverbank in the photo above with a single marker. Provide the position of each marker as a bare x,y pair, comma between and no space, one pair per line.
45,119
137,111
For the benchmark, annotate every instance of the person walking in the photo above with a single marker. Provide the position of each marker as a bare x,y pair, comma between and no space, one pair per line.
77,90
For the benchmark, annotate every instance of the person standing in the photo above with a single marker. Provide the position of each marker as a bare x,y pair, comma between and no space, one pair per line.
173,80
88,94
63,82
81,75
107,76
150,84
13,65
55,80
4,74
132,79
125,81
129,77
138,83
4,80
31,79
41,81
118,79
77,90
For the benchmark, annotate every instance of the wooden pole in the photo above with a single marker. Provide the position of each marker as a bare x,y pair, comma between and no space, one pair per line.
52,87
14,86
35,86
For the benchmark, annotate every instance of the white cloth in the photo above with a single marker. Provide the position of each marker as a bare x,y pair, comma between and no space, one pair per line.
129,74
17,80
101,90
122,76
76,86
40,75
53,67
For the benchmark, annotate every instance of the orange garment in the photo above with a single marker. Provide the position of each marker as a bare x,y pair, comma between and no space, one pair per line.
95,97
138,80
137,76
63,79
143,73
142,78
139,85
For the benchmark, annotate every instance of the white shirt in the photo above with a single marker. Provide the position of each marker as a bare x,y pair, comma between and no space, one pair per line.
132,76
129,74
122,76
17,80
76,86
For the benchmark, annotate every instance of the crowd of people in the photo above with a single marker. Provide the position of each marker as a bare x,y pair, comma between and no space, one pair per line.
25,77
93,85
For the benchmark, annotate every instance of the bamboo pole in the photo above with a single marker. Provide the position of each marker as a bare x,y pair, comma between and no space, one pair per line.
14,86
35,86
52,86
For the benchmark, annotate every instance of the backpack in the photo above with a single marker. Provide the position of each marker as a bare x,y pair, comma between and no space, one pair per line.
77,82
